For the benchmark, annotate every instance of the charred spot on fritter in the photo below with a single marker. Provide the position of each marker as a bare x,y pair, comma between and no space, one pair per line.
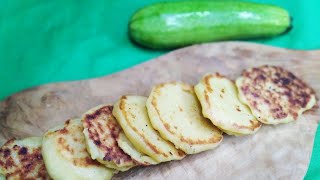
103,130
22,162
279,90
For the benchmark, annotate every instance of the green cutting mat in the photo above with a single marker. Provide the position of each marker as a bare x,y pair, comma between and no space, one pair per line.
45,41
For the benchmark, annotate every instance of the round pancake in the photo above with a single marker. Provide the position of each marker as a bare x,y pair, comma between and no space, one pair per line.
220,103
274,95
101,131
65,155
131,114
22,159
128,148
175,112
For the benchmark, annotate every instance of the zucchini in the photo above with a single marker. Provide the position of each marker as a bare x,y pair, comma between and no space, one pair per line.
176,24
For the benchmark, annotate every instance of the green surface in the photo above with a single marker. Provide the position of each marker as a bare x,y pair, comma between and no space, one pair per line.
45,41
55,40
314,167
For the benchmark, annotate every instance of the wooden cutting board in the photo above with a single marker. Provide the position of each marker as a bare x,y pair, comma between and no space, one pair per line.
274,152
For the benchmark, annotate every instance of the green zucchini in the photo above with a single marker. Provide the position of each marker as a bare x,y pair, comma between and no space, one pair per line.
176,24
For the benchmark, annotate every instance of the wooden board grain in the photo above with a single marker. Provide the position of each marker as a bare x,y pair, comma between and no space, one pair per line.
274,152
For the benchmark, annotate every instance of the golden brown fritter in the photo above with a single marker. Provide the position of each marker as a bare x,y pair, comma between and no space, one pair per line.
66,157
22,159
274,94
101,131
131,114
220,103
175,112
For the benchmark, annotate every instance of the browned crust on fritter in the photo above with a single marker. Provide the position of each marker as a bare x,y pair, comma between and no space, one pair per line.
207,78
103,127
30,164
254,123
122,107
188,89
69,152
290,95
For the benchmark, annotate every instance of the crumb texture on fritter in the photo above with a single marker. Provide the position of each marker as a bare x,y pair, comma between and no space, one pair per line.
66,157
218,97
175,113
131,114
274,94
101,131
22,159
